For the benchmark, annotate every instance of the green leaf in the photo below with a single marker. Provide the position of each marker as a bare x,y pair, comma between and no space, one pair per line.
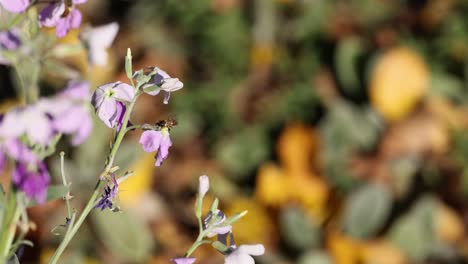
133,241
346,57
151,88
315,257
367,210
232,219
219,246
297,230
414,233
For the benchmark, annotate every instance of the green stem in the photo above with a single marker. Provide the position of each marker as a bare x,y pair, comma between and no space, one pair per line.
64,181
195,245
10,232
90,205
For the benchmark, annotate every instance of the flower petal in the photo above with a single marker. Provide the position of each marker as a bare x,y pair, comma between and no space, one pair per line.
51,14
83,132
150,140
171,85
15,6
254,250
107,111
123,91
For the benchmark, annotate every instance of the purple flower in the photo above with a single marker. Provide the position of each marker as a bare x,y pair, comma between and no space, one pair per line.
243,254
214,223
18,151
106,102
10,40
164,82
72,21
70,112
32,179
97,40
30,121
15,6
152,140
107,198
60,16
51,14
183,260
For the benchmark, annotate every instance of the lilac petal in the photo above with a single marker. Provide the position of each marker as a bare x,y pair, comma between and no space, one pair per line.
65,24
9,40
10,127
70,120
15,6
74,19
124,92
163,150
51,14
167,96
79,2
183,260
107,111
119,116
172,85
100,94
33,183
162,73
78,90
38,128
150,140
83,132
17,151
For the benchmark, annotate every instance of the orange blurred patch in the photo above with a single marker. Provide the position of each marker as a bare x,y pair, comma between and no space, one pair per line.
398,82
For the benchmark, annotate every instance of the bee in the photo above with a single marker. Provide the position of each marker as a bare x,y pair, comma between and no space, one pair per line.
68,7
168,123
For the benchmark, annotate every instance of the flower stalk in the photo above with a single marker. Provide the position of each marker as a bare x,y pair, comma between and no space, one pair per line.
73,228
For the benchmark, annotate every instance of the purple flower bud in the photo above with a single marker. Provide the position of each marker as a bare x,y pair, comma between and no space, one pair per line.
183,260
32,179
159,141
104,100
15,6
10,39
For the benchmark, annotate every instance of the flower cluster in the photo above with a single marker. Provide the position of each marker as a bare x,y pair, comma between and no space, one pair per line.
27,133
216,224
111,101
60,14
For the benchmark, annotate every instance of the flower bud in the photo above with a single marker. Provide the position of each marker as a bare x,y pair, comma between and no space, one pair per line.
204,185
